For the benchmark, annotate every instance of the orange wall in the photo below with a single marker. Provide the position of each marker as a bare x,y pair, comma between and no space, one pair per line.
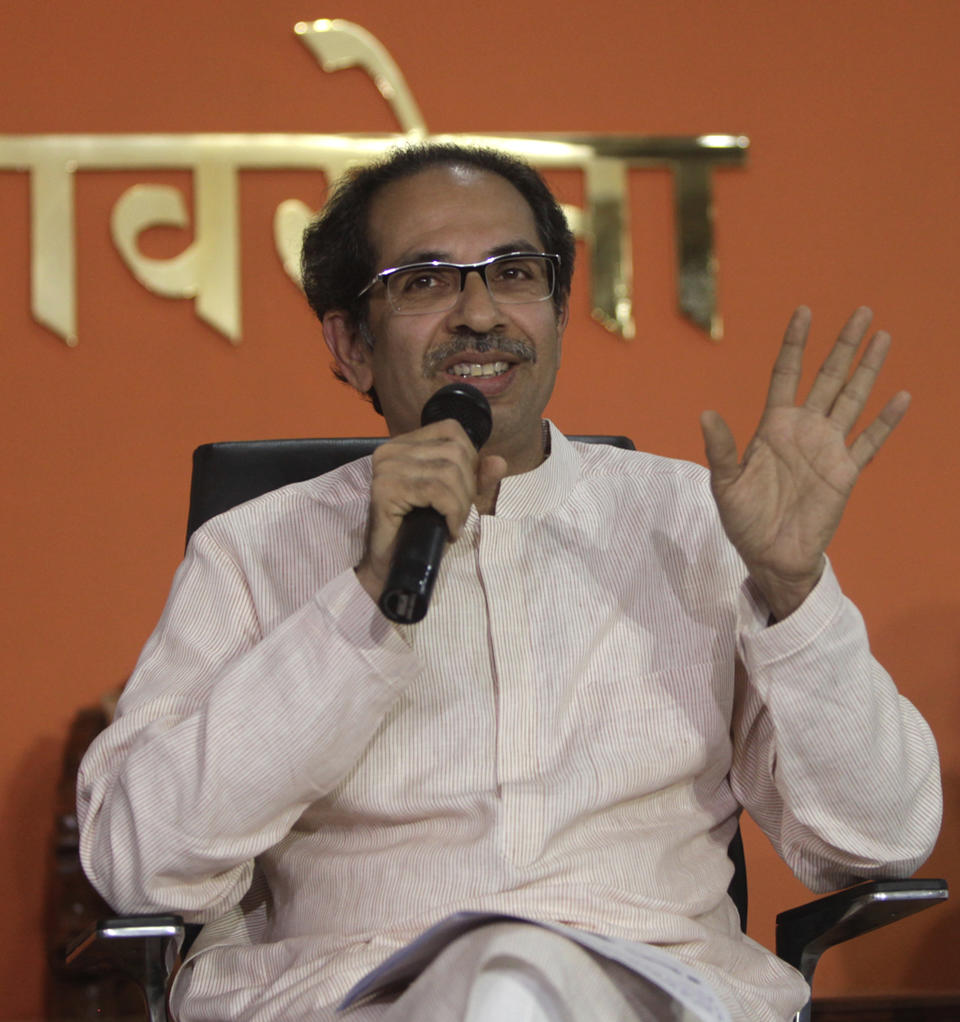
850,196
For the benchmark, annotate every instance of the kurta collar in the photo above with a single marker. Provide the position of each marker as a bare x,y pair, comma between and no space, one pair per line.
543,489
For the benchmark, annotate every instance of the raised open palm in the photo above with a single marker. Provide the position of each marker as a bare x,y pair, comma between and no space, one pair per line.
781,504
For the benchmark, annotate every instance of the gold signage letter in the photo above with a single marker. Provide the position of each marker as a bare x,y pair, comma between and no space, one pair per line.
53,254
209,269
341,44
608,238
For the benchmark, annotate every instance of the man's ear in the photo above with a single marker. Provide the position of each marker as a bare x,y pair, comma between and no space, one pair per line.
350,351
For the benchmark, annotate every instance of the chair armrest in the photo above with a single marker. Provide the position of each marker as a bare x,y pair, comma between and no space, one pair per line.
804,933
145,948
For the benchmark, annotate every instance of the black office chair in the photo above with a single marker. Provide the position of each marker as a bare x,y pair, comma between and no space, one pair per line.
148,948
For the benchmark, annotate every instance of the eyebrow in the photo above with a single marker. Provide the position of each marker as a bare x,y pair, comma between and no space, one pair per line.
439,256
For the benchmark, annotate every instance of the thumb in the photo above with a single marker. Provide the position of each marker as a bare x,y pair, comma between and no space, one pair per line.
491,469
721,449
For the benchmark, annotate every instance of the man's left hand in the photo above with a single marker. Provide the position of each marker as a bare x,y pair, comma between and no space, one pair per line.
781,504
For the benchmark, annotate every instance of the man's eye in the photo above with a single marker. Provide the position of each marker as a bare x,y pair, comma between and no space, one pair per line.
517,271
422,281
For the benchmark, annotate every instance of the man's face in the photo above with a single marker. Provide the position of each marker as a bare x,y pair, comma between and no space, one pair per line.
459,215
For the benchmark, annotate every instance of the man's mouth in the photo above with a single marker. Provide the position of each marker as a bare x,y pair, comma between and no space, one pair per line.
478,368
458,356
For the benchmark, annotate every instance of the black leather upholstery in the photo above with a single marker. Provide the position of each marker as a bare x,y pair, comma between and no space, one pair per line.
227,474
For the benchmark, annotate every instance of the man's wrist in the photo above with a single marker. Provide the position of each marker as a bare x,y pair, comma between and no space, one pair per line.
784,596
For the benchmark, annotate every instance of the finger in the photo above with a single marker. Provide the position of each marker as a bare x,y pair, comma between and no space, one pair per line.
836,367
413,474
442,446
721,450
852,398
452,502
422,441
491,471
865,447
437,485
785,377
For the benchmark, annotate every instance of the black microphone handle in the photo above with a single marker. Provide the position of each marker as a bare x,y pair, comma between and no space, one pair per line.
422,536
421,540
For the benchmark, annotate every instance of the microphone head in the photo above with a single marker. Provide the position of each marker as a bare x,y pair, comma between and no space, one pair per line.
467,405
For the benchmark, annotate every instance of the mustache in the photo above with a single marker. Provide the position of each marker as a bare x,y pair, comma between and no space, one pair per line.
480,343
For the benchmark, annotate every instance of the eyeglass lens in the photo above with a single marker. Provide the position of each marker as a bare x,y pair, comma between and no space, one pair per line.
512,280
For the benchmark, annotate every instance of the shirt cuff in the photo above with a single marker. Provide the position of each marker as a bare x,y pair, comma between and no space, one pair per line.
364,628
762,643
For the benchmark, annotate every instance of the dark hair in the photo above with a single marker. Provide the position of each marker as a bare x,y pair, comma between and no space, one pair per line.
337,259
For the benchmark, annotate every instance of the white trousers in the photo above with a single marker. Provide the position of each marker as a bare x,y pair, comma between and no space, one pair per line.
516,972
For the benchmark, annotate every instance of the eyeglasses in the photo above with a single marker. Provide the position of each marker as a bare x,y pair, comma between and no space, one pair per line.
511,279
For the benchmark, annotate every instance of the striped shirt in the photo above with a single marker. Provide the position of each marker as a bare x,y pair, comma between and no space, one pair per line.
569,735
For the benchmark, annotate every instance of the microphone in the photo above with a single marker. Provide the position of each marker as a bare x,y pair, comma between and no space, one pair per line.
422,535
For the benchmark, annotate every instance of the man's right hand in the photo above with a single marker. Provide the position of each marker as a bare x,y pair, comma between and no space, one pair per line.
435,466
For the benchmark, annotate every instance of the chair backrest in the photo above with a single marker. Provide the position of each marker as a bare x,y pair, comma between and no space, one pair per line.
227,474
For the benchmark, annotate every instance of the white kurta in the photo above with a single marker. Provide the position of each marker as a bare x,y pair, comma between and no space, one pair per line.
568,735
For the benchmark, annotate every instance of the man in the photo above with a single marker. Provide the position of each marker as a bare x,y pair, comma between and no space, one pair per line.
614,662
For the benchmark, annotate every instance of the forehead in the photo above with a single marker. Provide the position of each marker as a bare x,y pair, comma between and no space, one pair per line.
457,213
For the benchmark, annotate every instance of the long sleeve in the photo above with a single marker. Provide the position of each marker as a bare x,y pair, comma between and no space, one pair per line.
569,735
227,731
837,768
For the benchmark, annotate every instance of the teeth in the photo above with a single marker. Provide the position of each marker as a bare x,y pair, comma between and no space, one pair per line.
476,369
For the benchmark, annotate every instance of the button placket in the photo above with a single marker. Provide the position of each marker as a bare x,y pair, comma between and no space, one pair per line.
517,759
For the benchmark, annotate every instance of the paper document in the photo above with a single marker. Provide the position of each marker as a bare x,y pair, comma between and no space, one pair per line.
676,978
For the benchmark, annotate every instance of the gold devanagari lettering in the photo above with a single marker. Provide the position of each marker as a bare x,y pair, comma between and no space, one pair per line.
208,269
341,44
609,238
53,253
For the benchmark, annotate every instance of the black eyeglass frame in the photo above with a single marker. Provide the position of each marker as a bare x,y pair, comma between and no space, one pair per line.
553,260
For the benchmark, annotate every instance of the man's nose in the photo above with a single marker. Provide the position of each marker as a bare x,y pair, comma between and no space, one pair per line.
475,307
